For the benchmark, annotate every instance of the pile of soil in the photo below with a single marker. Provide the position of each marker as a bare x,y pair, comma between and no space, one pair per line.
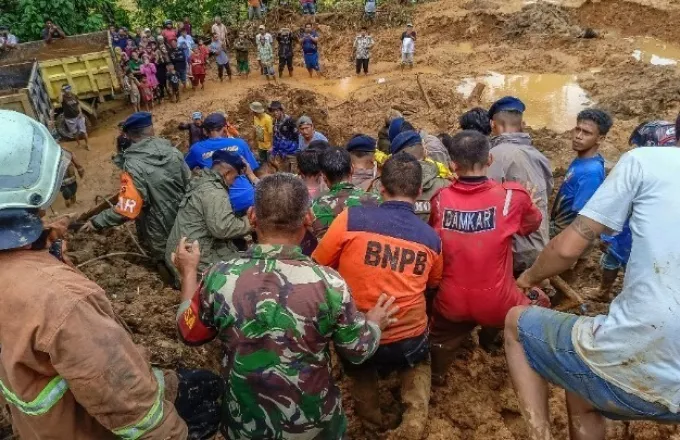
541,18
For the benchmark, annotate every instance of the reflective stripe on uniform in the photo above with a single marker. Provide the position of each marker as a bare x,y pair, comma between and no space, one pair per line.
151,419
47,398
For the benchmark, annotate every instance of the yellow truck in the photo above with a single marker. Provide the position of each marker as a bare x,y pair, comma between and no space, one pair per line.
87,62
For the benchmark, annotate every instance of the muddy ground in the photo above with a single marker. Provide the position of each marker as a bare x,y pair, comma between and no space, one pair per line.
535,50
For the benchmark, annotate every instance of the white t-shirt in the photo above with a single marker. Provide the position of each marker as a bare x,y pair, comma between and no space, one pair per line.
407,45
637,345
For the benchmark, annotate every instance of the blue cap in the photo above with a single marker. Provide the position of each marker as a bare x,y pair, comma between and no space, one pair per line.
506,104
361,142
403,140
19,227
214,121
395,128
230,158
137,120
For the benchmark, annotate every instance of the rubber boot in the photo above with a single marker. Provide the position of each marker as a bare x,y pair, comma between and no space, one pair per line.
364,391
442,358
415,395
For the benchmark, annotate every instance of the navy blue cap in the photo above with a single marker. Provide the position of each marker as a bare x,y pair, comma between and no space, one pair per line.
506,104
361,142
395,128
214,121
230,158
19,227
138,120
405,139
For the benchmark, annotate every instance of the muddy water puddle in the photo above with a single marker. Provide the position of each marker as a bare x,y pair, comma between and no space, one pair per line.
656,52
552,100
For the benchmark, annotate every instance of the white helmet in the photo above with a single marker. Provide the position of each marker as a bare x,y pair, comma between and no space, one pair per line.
32,164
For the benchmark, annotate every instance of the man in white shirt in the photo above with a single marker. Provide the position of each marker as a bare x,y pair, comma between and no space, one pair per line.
626,364
408,46
219,29
7,40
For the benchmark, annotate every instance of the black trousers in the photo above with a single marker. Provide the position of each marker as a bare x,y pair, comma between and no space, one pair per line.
162,76
199,402
285,62
362,63
221,68
395,356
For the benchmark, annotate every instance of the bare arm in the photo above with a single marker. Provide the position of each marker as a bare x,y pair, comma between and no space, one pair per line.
562,251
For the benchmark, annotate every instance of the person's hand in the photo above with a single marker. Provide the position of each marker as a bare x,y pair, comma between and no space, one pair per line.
382,314
538,297
250,174
59,227
87,227
523,282
186,257
604,246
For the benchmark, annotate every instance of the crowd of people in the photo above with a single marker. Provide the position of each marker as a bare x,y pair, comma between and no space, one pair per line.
393,249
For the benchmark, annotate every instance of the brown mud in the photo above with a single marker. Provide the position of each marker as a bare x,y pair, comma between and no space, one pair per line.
459,42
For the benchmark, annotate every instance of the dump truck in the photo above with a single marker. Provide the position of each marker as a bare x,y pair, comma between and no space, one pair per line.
22,89
87,62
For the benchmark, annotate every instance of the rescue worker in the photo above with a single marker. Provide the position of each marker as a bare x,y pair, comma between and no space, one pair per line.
384,141
476,218
336,168
68,370
152,184
205,214
412,143
286,138
389,249
364,167
276,313
516,160
585,173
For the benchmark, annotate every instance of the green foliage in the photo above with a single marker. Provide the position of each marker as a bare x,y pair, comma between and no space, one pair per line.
151,13
27,17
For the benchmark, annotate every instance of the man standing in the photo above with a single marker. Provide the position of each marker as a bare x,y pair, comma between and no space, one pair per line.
276,312
52,31
264,131
69,370
624,364
206,215
74,119
586,173
307,133
516,160
285,41
153,180
265,54
221,57
241,192
241,46
412,143
389,249
7,40
195,128
476,218
285,138
408,46
254,10
336,167
361,149
310,49
179,62
219,29
362,50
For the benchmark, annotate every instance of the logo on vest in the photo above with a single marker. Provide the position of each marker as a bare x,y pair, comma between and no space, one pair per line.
422,206
470,222
397,258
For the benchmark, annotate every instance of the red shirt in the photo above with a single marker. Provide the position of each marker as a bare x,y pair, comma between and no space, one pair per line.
476,221
197,61
169,35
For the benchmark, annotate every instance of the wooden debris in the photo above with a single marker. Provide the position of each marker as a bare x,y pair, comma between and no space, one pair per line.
559,284
422,89
476,95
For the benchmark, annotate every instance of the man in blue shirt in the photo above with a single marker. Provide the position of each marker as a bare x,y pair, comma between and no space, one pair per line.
586,173
241,192
616,249
307,133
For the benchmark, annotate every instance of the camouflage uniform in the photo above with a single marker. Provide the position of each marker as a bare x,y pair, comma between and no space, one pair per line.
276,312
340,196
430,184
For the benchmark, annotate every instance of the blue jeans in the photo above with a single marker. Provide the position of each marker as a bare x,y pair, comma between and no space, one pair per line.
545,336
253,11
309,8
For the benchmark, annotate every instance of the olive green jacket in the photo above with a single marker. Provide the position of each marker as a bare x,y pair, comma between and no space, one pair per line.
161,176
205,214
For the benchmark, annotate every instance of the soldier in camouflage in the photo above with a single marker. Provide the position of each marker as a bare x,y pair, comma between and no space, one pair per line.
276,313
410,142
336,167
